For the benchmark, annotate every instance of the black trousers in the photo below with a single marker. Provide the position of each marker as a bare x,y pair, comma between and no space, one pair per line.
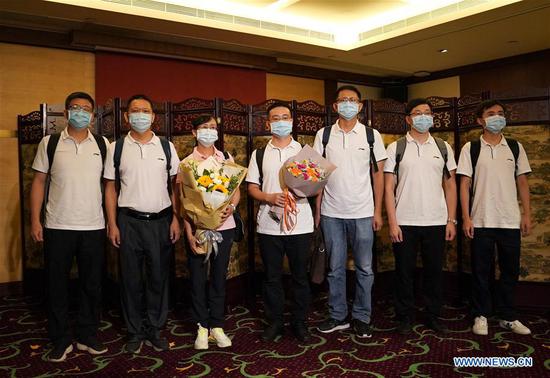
60,247
273,249
145,255
431,240
508,243
208,301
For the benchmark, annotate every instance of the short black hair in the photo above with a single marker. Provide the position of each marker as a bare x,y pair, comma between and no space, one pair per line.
139,97
347,88
203,118
82,95
278,104
488,104
415,102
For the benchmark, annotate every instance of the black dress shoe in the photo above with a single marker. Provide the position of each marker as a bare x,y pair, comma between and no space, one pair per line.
300,331
404,327
436,325
272,331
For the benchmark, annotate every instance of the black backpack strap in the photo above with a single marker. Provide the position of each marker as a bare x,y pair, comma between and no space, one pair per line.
50,150
445,154
401,146
102,146
116,161
475,147
514,146
260,162
370,141
326,137
168,153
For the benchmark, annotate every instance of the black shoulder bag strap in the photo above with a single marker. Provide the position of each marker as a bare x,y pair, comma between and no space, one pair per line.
168,153
445,154
260,162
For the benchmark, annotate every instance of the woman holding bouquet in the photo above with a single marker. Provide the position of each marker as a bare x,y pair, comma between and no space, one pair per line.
207,299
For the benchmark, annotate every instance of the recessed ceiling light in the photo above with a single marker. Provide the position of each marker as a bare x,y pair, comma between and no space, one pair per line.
443,51
421,74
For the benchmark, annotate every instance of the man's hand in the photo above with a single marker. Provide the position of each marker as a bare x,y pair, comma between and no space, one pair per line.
175,230
377,222
468,228
317,219
525,225
450,231
275,199
396,235
194,244
37,232
226,214
113,233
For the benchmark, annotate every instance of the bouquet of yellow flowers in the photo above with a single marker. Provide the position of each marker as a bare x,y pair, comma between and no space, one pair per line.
206,188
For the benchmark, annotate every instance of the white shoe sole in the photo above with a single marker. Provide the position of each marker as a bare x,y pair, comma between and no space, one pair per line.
137,351
200,347
86,348
64,356
337,328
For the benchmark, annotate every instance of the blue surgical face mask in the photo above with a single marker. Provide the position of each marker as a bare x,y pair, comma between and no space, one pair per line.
79,119
495,124
140,122
207,137
348,109
422,123
281,128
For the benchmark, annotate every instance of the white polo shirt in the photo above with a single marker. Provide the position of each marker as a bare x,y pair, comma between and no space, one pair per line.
419,195
274,157
143,177
348,193
75,198
495,199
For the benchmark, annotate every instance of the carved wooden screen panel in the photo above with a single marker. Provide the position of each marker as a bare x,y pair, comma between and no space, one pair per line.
388,116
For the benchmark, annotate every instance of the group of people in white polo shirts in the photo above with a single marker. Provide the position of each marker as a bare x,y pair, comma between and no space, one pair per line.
414,179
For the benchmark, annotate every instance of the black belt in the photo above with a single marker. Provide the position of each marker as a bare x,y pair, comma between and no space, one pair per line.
145,216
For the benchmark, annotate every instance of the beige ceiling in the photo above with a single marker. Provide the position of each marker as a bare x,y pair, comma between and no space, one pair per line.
504,31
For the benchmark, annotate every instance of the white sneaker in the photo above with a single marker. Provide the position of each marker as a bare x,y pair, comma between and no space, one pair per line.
480,326
201,342
219,336
515,327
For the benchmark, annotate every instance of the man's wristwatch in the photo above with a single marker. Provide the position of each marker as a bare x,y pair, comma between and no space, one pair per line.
453,221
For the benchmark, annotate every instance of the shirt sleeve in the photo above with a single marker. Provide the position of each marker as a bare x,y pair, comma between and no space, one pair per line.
389,166
451,162
464,162
109,170
175,163
522,164
379,149
318,143
253,175
41,163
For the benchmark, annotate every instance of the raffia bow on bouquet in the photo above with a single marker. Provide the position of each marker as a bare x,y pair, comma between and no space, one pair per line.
206,189
304,175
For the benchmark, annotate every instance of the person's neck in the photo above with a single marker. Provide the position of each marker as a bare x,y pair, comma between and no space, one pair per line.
347,124
206,151
77,134
419,137
142,138
281,142
492,139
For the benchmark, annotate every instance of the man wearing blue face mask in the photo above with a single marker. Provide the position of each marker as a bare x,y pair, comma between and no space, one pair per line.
350,209
264,185
494,170
74,224
420,211
142,222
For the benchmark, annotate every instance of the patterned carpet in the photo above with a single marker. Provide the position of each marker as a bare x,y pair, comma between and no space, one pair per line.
24,348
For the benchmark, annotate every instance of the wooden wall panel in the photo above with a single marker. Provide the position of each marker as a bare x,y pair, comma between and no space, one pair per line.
29,76
295,88
448,87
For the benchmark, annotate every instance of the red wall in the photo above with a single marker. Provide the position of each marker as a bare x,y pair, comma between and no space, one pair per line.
121,75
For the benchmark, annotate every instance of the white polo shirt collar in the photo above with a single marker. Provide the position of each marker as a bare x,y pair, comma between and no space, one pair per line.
154,140
355,129
502,142
65,135
410,139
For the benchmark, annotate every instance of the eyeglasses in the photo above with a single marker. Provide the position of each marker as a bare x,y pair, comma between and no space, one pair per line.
414,114
80,107
140,110
277,118
355,100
